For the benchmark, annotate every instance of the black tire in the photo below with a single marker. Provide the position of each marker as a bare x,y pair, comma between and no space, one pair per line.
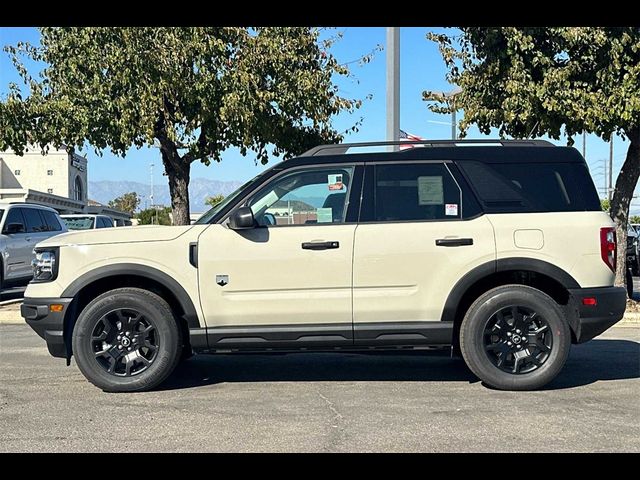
628,281
156,335
484,344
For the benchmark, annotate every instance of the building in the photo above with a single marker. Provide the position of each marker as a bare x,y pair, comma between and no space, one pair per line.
57,179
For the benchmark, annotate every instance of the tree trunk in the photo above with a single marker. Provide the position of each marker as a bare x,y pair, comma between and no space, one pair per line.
623,193
178,170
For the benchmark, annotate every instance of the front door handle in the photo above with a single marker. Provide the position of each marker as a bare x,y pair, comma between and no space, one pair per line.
320,245
453,242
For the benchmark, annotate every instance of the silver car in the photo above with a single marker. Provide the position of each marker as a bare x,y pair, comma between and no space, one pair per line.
22,226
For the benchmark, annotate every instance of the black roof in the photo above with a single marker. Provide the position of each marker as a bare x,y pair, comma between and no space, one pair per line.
491,151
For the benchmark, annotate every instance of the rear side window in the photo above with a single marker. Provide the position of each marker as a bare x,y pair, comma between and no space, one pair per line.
532,187
35,223
51,221
414,192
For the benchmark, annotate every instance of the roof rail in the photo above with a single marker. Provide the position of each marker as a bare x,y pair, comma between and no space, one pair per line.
341,148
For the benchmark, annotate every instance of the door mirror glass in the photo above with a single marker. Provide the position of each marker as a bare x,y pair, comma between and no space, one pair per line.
241,219
14,228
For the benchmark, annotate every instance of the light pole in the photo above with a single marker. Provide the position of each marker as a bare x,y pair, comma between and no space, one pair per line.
393,85
449,98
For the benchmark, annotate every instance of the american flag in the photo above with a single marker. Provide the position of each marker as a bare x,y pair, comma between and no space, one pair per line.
408,137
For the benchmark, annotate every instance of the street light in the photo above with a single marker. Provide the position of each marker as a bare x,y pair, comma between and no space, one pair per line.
449,98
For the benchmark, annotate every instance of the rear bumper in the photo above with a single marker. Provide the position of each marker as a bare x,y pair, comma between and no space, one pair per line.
595,319
49,325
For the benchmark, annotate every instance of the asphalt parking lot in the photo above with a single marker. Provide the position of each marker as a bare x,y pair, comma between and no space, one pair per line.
322,403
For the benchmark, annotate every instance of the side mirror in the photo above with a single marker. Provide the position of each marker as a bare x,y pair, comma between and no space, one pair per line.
14,228
241,219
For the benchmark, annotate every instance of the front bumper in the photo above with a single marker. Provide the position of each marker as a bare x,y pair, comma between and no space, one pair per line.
49,325
595,319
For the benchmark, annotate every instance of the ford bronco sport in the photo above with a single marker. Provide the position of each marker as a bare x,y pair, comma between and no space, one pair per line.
497,249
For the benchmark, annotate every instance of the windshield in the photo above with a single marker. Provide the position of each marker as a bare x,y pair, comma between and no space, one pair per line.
79,223
207,216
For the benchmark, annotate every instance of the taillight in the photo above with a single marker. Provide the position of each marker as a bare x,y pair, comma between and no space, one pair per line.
608,246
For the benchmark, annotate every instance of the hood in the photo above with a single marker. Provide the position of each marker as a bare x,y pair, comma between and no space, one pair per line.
143,233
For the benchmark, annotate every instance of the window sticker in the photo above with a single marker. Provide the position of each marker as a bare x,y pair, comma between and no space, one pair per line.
335,182
324,215
451,209
430,190
266,201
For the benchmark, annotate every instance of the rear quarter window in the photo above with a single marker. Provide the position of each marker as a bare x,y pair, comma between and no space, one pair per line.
532,187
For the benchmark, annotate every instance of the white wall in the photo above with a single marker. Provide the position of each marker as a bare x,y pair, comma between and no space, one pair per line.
34,167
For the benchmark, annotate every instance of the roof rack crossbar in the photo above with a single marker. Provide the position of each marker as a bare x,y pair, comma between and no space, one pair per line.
342,148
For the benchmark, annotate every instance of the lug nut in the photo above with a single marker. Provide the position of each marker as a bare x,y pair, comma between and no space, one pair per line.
128,334
135,340
119,347
129,349
518,331
508,334
519,346
508,343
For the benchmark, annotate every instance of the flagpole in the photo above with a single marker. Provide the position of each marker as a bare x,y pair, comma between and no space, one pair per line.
393,85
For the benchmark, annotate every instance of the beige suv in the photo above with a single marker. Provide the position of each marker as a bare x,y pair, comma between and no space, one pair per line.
498,250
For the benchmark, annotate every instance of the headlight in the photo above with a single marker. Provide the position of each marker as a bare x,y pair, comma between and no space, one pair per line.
45,268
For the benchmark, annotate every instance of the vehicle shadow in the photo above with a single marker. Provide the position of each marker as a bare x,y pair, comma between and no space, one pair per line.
594,361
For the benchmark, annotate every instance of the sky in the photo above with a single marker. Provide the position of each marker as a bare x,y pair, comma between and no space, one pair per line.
421,68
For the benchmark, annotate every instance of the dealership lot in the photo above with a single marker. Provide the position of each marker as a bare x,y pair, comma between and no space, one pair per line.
322,402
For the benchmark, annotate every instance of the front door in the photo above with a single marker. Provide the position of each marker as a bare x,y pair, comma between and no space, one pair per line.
17,254
288,280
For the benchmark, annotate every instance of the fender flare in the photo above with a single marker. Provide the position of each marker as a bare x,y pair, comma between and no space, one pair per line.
503,265
152,273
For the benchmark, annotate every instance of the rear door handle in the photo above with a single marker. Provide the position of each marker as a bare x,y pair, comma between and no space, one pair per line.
453,242
320,245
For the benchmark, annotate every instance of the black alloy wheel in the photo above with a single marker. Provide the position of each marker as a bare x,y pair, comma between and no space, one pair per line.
124,342
517,339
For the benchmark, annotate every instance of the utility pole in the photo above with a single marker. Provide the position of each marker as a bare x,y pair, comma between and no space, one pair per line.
454,128
393,85
610,191
151,196
584,145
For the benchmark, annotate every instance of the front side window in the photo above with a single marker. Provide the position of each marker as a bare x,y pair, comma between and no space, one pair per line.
415,192
305,197
14,222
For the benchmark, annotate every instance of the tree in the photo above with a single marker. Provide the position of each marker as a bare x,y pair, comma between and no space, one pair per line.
127,203
151,216
193,91
531,81
214,200
635,219
605,204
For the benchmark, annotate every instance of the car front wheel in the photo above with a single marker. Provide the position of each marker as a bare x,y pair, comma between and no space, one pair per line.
515,337
127,340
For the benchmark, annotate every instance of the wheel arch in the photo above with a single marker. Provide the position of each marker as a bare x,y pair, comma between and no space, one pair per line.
539,274
93,283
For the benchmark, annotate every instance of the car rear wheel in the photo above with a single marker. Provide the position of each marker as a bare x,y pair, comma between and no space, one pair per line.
127,340
515,337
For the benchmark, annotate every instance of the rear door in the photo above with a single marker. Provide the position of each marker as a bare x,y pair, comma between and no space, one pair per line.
419,233
37,228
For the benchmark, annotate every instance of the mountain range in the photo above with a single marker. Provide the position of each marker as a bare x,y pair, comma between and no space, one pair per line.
199,189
